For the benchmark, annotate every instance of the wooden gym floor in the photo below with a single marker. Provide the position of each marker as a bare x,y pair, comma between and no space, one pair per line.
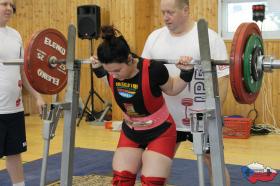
261,149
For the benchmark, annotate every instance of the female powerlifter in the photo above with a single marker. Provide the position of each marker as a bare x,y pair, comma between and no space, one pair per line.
148,136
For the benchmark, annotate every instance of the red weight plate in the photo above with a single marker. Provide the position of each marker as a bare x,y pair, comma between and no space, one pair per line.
240,39
234,88
43,77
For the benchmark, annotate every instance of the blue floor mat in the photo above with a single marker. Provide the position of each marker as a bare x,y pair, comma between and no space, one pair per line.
89,161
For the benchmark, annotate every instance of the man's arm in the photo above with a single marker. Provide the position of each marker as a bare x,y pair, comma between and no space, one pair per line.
39,99
219,52
223,87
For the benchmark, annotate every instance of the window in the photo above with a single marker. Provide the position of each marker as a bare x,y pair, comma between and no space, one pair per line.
233,12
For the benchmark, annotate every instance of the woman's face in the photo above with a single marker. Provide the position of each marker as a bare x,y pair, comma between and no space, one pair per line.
121,71
6,11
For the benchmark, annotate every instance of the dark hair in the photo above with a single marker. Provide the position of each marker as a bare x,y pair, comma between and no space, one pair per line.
113,48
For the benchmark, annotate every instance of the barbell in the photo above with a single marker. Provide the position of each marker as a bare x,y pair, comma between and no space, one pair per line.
44,62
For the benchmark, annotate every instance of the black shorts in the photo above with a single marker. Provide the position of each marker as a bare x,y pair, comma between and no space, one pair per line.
184,136
12,134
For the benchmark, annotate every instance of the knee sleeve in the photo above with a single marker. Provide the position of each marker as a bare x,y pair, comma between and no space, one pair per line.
123,178
152,181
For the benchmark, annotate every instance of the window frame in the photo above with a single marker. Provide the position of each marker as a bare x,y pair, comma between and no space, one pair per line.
223,16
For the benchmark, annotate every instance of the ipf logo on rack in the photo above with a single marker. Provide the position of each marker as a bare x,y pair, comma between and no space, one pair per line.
257,172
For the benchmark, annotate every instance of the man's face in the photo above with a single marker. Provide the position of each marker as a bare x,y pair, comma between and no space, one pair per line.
174,16
6,11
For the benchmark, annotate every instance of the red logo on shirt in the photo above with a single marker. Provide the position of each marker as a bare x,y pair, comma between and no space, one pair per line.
18,102
20,83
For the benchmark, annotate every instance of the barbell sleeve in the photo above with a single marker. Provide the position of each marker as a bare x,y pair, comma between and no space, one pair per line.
276,64
269,63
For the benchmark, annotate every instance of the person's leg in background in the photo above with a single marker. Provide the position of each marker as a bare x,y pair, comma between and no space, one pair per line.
207,161
14,143
15,169
187,136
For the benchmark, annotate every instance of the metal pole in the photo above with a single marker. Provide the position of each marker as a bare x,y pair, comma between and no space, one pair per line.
46,136
198,142
91,83
105,111
70,114
200,169
212,106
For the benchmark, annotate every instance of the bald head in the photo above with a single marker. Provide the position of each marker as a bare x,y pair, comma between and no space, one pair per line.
182,3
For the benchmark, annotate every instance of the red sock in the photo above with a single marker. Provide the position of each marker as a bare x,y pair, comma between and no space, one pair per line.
123,178
152,181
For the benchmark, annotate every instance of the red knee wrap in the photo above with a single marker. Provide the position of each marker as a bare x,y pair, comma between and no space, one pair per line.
152,181
123,178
